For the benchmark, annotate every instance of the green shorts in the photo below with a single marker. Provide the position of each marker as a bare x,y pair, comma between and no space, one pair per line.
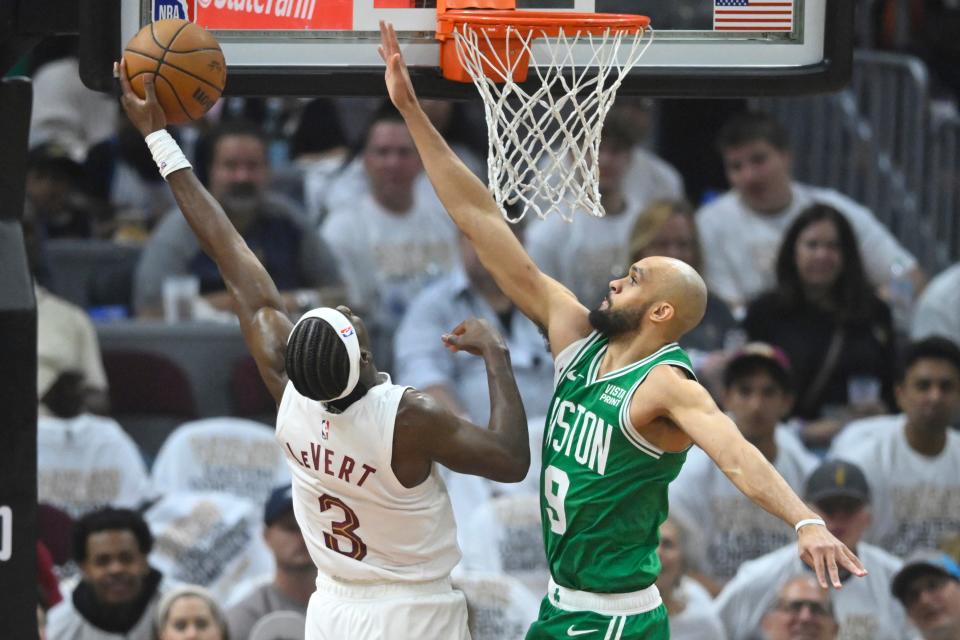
555,622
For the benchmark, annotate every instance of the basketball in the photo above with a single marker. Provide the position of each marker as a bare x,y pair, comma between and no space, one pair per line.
187,62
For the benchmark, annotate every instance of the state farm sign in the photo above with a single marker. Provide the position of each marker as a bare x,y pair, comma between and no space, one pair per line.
286,15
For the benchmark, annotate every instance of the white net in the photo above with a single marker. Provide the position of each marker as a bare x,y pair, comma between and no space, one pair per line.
544,144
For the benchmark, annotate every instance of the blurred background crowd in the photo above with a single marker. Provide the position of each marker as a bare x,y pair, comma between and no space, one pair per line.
830,337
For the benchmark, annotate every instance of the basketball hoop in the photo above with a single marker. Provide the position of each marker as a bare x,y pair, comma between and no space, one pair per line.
544,138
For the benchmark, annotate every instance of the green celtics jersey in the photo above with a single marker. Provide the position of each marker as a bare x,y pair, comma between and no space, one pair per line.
603,488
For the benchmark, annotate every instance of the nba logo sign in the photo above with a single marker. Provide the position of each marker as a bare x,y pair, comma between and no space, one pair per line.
324,428
166,9
346,332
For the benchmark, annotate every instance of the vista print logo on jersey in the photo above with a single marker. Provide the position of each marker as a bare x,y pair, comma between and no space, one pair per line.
169,9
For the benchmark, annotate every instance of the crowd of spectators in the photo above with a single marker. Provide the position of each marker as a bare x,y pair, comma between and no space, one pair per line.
799,344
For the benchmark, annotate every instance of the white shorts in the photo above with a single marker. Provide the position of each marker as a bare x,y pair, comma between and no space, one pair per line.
417,611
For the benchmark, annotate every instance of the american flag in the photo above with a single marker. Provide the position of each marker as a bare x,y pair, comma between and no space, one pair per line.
753,15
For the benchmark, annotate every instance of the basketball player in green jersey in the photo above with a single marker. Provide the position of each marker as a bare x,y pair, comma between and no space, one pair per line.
625,410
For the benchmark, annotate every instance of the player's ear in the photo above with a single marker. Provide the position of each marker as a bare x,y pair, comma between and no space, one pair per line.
366,357
662,312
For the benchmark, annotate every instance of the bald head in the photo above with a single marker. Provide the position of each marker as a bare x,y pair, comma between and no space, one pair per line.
678,284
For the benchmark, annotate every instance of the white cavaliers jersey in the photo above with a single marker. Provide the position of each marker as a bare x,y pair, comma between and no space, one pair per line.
359,522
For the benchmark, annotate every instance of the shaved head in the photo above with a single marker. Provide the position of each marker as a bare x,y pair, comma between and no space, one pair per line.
678,284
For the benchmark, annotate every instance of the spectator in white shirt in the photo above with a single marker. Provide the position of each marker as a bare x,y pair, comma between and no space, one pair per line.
914,470
802,611
742,229
688,604
928,585
938,308
726,529
587,252
295,578
390,241
838,491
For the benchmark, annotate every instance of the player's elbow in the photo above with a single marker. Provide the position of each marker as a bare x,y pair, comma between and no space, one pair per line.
518,464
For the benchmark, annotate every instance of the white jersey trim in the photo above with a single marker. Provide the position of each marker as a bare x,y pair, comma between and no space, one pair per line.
626,424
577,354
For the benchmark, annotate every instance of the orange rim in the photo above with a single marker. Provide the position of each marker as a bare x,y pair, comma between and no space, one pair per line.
549,22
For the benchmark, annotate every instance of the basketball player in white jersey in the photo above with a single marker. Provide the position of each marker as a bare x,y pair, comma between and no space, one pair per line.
366,493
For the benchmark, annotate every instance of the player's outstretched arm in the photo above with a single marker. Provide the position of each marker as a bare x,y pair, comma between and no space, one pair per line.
258,304
545,301
667,392
428,432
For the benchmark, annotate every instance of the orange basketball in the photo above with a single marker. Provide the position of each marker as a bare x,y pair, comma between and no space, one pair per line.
187,62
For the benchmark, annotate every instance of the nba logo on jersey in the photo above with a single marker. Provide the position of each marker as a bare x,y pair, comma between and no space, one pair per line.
324,428
166,9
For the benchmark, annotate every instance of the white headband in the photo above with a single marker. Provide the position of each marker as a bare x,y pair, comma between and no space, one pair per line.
347,333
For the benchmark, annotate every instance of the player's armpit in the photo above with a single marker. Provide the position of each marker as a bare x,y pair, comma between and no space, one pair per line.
668,393
426,432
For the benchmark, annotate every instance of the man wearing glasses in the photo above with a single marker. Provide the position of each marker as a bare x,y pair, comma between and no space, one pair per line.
928,585
838,492
802,610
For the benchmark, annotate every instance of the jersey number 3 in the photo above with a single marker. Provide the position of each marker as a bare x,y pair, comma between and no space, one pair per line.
555,486
345,528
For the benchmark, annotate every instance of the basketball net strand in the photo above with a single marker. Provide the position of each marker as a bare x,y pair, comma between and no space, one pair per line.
544,144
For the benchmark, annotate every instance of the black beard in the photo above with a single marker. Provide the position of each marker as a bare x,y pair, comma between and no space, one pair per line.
615,323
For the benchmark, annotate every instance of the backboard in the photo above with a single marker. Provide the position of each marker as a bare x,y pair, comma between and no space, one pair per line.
700,48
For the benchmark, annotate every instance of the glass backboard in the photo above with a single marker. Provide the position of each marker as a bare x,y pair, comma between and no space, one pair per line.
700,48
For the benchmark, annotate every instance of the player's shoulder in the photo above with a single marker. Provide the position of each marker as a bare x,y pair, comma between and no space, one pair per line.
417,408
671,378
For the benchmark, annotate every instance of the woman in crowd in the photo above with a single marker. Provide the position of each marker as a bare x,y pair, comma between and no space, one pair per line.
189,611
666,228
825,315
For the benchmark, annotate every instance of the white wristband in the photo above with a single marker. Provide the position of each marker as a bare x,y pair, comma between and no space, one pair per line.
804,523
166,153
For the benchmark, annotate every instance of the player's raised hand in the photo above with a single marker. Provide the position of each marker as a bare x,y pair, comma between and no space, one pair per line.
146,114
824,553
474,336
397,78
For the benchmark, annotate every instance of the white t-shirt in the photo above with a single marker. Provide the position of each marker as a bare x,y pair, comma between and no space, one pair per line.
724,527
865,608
504,535
855,433
650,178
88,462
915,498
938,309
586,253
698,620
500,607
341,189
66,341
386,258
468,493
740,245
358,521
66,111
233,455
208,538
